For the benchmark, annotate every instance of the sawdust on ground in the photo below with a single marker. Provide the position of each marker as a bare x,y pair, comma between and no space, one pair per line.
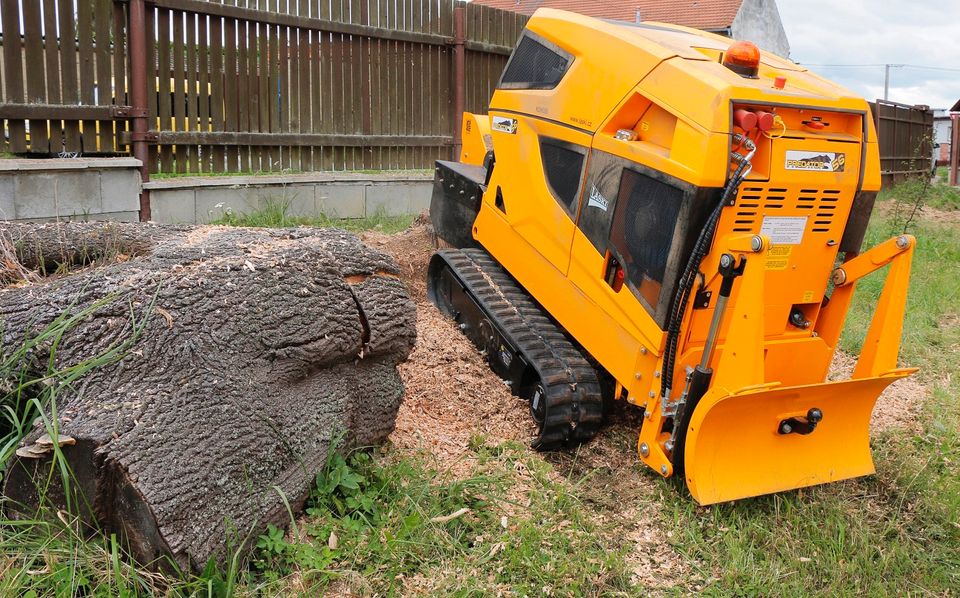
927,213
451,394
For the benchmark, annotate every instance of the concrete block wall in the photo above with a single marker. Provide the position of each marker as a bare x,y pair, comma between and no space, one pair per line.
335,195
70,189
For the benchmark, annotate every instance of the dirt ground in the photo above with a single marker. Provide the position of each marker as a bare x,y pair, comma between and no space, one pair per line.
452,396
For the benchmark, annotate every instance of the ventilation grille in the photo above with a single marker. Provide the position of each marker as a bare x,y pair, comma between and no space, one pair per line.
819,205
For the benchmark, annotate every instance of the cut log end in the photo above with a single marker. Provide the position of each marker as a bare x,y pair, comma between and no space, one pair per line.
251,352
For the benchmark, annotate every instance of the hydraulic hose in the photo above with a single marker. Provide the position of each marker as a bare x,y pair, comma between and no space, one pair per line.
688,278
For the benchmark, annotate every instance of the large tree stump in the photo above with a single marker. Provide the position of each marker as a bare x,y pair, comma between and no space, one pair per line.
259,350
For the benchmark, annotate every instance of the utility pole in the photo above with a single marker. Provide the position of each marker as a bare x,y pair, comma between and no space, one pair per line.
886,79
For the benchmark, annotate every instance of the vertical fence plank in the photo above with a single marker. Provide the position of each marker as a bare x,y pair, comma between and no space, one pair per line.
384,93
352,74
164,88
153,79
445,75
403,84
36,86
259,82
69,88
52,66
316,84
217,94
179,85
13,71
337,84
105,85
273,82
379,91
121,78
326,86
293,98
243,91
391,108
303,78
283,89
192,80
87,72
230,89
203,87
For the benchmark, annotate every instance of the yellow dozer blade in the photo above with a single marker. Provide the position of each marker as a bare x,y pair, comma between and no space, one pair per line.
748,435
736,448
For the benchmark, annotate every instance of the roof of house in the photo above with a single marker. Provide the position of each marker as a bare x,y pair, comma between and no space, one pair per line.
703,14
956,107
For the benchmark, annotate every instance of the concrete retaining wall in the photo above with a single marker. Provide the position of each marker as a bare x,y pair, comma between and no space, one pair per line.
335,195
79,189
109,189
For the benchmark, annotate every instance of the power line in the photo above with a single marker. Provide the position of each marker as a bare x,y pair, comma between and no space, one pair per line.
878,65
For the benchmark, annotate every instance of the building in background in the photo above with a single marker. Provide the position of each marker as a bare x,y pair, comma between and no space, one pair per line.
754,20
942,128
943,133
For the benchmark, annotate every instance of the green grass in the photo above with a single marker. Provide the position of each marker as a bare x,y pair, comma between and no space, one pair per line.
275,214
399,527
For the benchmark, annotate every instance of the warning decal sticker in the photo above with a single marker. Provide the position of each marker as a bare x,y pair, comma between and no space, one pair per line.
778,257
784,230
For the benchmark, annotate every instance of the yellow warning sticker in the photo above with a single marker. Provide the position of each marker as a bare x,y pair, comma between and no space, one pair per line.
807,297
778,257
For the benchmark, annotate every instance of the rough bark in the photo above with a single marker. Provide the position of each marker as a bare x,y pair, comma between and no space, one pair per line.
259,349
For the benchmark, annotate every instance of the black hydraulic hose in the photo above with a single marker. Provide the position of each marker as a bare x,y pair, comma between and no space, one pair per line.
687,279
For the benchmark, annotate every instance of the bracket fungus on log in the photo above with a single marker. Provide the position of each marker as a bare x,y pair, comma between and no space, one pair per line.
249,354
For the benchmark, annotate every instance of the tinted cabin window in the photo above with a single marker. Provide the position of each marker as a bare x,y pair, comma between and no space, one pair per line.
600,198
563,167
643,231
535,65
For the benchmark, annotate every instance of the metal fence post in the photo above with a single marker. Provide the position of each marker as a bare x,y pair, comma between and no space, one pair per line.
954,147
136,34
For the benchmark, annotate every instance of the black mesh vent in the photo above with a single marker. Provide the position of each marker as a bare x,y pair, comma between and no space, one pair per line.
600,198
643,230
563,167
534,66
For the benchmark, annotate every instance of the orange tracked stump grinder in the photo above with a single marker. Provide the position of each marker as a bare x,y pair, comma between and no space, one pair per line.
651,214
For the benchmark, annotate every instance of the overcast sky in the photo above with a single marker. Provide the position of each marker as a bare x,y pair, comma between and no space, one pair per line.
877,32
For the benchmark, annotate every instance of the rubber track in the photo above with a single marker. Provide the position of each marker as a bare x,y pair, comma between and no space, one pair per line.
573,395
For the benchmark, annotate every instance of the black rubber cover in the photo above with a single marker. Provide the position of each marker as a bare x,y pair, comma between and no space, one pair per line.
457,191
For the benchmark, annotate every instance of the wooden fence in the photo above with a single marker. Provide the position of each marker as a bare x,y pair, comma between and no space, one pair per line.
905,135
249,85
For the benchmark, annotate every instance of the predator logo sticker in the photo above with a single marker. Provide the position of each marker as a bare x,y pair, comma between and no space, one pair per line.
816,161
